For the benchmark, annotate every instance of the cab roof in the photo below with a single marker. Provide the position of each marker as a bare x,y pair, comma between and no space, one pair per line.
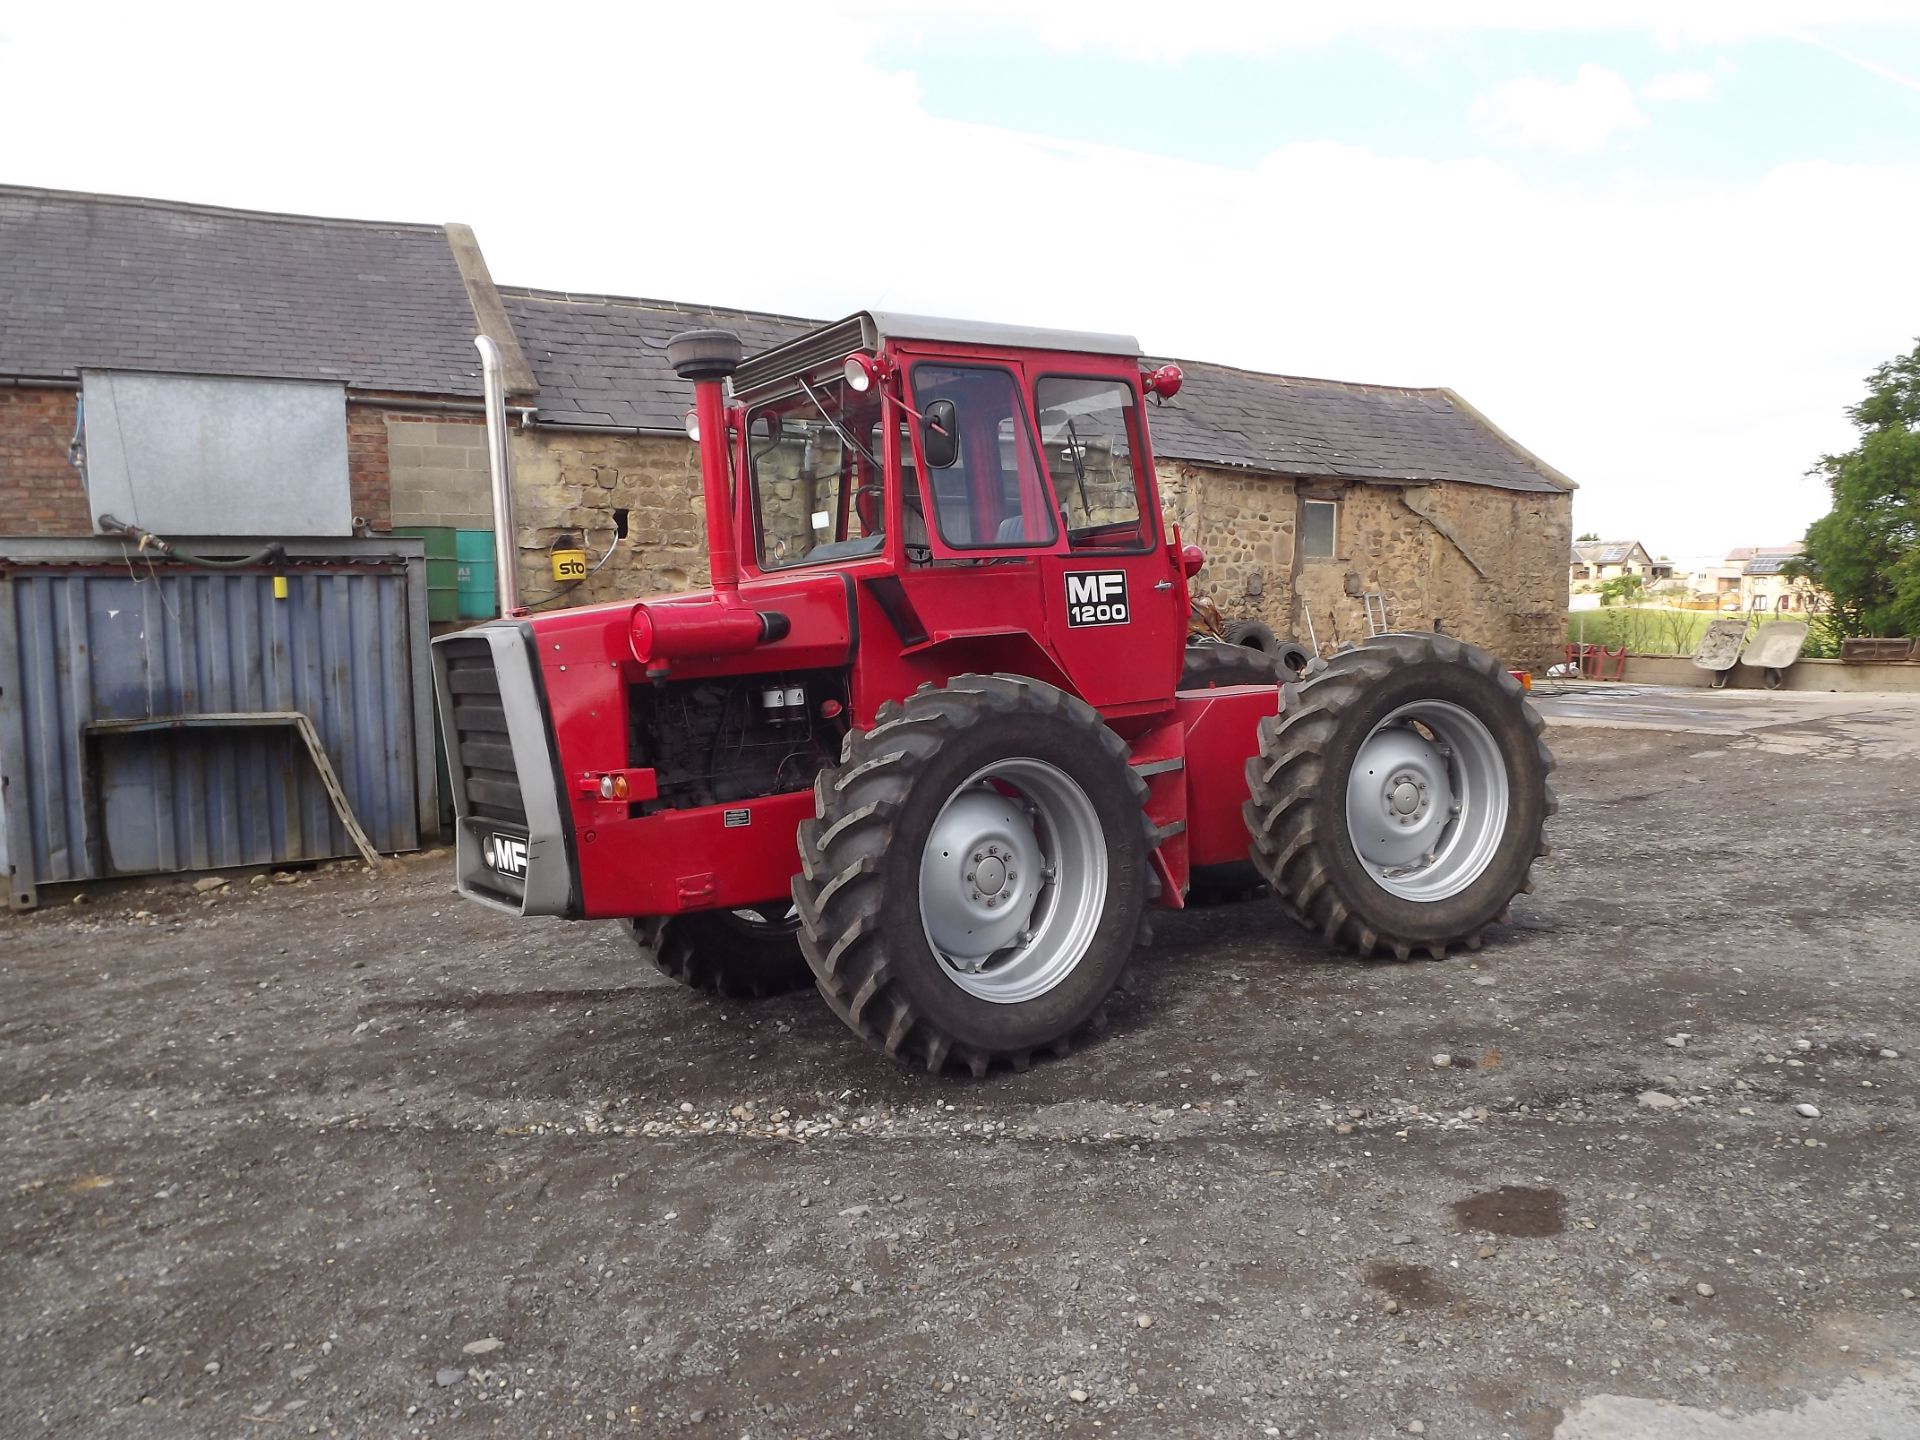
869,329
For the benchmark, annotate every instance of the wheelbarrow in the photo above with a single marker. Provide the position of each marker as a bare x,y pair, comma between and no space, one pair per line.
1719,647
1774,647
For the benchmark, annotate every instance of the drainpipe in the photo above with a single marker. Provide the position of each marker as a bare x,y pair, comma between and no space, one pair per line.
506,572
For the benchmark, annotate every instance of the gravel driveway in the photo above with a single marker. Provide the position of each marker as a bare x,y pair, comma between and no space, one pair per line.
345,1155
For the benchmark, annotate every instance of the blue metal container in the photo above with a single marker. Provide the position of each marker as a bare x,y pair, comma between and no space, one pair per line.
92,633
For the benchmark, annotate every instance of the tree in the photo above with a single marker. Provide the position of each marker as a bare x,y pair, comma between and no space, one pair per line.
1621,587
1590,538
1865,552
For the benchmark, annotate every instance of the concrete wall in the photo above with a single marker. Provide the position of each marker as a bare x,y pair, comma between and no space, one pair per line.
437,470
1423,548
1873,678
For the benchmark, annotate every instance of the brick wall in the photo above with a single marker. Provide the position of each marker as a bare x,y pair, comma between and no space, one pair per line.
40,494
437,469
367,477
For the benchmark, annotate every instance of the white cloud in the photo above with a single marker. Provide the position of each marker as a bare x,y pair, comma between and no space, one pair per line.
1684,354
1679,85
1577,115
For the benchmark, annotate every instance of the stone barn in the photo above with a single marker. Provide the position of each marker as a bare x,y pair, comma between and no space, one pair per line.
1308,496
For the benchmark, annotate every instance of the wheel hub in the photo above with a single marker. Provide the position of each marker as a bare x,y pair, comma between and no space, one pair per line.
1427,800
991,877
977,882
1013,880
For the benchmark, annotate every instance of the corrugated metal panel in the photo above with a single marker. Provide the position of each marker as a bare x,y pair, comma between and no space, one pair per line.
83,641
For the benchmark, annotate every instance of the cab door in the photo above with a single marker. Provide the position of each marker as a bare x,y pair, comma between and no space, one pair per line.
976,516
1114,598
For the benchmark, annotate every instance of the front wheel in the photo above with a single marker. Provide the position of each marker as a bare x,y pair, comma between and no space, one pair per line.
742,954
971,887
1398,802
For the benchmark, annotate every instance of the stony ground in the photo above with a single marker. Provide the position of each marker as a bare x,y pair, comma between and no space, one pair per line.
349,1156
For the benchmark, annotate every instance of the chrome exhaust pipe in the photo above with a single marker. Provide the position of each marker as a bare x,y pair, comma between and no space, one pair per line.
506,571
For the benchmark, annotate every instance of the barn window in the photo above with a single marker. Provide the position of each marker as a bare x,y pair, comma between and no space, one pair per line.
1319,528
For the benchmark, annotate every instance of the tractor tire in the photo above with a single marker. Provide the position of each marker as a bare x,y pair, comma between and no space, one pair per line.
739,954
994,789
1253,635
1351,800
1295,656
1212,664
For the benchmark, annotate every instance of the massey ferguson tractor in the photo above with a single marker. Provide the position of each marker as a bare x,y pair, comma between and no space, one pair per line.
933,738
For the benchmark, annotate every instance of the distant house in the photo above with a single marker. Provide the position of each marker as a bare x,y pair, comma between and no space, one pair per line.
1765,585
1600,560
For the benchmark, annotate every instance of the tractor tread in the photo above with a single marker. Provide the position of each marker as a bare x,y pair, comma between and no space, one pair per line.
857,804
693,951
1285,826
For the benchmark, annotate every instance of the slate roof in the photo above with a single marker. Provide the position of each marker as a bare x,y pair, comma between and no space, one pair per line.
601,362
114,282
1289,425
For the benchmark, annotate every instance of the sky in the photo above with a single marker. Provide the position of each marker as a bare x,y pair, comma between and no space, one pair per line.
1659,242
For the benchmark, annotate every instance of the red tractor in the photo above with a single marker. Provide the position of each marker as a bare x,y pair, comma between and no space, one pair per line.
933,740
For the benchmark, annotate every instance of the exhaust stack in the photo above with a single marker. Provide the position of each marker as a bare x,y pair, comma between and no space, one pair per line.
506,572
708,358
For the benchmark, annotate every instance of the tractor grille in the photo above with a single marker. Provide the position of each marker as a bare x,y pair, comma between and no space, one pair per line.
481,753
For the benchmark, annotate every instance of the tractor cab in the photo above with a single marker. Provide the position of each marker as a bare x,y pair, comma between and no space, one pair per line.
982,483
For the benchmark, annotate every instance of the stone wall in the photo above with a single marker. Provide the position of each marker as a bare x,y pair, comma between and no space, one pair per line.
1411,544
570,482
1416,546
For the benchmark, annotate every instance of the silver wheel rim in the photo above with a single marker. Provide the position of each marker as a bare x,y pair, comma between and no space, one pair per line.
1427,801
775,917
1013,881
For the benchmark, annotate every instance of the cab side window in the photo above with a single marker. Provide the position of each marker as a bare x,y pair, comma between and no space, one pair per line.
982,473
1086,434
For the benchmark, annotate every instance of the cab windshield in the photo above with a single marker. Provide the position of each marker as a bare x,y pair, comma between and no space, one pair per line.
815,463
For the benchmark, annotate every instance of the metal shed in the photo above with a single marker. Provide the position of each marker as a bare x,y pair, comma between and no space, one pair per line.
93,636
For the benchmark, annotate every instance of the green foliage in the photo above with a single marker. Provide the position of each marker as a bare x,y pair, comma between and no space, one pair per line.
1590,538
1621,588
1643,629
1865,552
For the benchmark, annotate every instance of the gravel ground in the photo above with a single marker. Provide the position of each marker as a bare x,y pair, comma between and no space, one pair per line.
346,1155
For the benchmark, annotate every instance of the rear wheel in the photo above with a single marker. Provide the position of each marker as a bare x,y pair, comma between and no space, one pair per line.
1212,664
1398,801
743,953
971,887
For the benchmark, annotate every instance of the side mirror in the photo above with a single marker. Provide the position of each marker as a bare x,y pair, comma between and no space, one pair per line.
939,435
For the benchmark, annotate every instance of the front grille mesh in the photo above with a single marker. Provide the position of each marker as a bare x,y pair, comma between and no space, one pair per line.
482,753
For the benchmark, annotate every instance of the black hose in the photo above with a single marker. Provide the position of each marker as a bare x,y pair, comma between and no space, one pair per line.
272,554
